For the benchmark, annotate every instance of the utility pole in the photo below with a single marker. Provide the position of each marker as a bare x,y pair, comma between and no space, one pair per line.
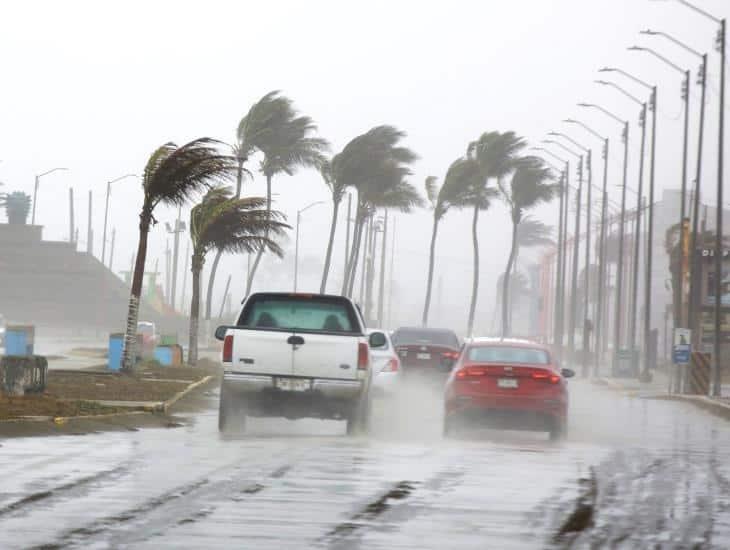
179,228
558,313
574,276
225,297
650,240
71,215
637,245
381,289
620,265
185,274
347,231
168,253
392,271
111,251
719,249
586,293
90,232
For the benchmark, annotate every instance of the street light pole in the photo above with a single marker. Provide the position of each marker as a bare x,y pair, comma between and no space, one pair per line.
653,104
587,275
601,247
559,313
106,212
35,189
634,302
296,245
621,231
576,251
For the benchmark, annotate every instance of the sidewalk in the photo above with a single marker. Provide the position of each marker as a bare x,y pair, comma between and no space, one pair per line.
658,388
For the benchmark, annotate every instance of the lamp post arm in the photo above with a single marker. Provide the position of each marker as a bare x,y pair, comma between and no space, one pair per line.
700,11
674,40
571,140
552,141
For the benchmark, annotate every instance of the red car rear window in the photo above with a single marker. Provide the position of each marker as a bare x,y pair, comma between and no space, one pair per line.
506,354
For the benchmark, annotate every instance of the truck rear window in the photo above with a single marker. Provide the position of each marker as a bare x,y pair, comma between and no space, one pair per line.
299,313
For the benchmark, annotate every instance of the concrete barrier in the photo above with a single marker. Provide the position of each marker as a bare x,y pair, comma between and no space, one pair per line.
23,374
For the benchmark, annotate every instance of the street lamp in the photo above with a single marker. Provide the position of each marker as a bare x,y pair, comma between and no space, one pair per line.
650,230
576,249
680,319
296,246
637,221
559,313
621,232
602,243
35,189
694,278
178,228
106,212
720,41
586,308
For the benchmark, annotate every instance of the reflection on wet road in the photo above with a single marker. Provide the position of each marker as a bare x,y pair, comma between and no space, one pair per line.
633,473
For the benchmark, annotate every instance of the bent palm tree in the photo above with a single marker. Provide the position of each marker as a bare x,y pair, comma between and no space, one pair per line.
228,225
376,166
527,189
287,142
337,189
172,176
494,154
453,193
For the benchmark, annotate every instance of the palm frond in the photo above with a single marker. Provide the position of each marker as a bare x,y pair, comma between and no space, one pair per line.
174,174
432,190
533,233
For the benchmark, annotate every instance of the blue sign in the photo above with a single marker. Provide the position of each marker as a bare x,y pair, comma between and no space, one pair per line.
681,354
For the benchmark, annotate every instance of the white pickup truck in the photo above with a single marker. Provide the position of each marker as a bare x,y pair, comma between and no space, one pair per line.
296,355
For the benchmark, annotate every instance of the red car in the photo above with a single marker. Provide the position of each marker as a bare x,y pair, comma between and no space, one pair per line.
508,384
429,352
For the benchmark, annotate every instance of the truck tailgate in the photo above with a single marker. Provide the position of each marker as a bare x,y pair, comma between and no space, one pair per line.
327,356
262,352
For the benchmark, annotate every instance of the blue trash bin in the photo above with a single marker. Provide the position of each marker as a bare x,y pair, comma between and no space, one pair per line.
19,340
116,345
163,355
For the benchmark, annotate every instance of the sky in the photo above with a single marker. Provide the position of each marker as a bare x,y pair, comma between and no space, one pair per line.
97,86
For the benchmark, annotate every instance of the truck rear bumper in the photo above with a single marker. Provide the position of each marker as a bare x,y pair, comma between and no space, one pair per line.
327,398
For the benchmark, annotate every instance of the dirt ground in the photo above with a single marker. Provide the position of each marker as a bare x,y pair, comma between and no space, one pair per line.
72,393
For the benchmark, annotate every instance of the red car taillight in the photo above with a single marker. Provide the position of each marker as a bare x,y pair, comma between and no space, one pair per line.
453,355
547,376
228,349
363,356
392,365
468,372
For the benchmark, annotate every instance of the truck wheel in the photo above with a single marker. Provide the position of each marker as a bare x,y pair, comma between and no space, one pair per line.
559,430
231,414
358,421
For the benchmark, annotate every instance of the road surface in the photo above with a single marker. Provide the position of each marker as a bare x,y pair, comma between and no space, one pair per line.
633,473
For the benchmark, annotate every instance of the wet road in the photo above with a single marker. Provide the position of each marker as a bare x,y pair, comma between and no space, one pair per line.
633,473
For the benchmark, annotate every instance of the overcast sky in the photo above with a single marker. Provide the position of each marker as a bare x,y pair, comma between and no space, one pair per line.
96,86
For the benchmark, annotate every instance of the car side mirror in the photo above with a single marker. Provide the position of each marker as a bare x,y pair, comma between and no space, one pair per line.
567,373
220,332
377,340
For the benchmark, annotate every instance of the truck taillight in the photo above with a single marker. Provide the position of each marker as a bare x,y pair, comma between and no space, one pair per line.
363,356
228,349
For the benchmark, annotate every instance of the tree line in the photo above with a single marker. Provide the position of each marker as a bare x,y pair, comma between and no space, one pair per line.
376,166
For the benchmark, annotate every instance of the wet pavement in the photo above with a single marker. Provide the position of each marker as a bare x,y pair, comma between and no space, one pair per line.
633,473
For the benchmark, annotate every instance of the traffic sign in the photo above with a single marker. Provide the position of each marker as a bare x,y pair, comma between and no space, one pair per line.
682,349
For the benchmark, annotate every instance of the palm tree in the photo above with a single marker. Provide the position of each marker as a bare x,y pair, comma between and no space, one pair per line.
527,189
337,188
453,193
376,166
229,225
172,176
287,141
493,154
468,174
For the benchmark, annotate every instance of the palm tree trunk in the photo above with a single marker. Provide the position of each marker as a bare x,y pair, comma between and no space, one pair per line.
505,283
429,280
330,245
197,267
130,335
219,253
475,283
260,252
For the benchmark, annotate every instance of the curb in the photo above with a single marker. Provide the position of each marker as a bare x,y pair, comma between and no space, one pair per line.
170,402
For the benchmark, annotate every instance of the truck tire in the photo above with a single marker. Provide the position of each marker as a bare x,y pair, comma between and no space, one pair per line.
231,413
358,421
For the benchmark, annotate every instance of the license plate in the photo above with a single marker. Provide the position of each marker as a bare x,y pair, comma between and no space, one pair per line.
425,356
507,383
292,384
